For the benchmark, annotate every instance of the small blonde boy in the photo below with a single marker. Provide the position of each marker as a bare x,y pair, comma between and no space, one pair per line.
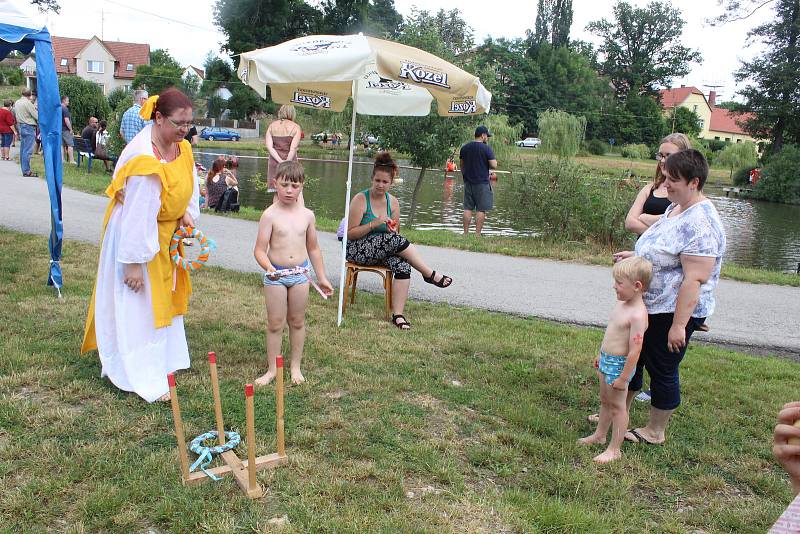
287,238
619,354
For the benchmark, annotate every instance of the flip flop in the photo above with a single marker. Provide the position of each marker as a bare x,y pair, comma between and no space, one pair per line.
639,438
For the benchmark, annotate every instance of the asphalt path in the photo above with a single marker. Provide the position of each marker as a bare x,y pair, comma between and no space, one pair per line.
751,317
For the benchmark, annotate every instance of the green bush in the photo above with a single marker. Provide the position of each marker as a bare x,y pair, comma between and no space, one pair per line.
115,141
10,75
715,145
85,100
637,151
780,181
597,147
574,205
116,96
742,176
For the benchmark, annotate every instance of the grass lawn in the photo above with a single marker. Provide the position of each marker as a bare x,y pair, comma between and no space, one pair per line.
465,424
534,247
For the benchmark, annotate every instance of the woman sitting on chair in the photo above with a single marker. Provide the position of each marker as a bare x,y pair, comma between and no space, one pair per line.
373,233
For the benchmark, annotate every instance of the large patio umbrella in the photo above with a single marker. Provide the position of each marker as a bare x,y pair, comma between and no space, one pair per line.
23,32
382,78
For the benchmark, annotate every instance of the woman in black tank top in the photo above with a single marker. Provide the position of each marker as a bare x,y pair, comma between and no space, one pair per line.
652,202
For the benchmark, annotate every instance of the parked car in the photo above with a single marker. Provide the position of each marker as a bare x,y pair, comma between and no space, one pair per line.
530,142
214,133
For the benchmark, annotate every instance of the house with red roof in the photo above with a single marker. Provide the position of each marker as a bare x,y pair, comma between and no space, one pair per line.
109,64
715,123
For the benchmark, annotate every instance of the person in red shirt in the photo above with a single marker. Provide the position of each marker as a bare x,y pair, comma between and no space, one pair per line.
8,130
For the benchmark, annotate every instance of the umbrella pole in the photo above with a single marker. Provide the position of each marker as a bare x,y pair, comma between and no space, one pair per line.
347,202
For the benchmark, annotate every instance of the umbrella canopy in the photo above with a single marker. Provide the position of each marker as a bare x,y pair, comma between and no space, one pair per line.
318,71
382,78
24,32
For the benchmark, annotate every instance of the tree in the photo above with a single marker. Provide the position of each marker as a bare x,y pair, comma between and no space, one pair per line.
251,24
561,133
115,96
737,155
244,103
163,71
524,85
553,23
684,120
642,47
218,73
780,181
85,100
47,5
774,76
373,17
445,34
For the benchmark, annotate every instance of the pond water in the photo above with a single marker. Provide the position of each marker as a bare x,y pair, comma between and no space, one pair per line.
760,234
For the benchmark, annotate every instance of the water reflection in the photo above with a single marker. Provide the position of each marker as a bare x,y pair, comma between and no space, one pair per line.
760,234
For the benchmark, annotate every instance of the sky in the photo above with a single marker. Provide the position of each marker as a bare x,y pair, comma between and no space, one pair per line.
187,30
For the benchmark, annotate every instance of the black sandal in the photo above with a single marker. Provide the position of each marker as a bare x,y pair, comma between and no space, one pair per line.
402,325
444,281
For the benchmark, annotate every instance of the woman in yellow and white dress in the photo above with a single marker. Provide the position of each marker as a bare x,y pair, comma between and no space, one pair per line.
135,318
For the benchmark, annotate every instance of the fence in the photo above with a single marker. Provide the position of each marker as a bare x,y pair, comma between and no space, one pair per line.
245,128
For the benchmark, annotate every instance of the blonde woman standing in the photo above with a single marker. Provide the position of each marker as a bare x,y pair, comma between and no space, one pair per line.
282,140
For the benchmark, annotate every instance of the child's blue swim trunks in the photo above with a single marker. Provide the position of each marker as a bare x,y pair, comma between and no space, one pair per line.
287,281
611,366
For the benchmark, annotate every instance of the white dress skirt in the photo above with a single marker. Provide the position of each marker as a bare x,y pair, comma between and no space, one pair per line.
134,354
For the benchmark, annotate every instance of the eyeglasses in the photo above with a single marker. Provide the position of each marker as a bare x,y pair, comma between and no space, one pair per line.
661,157
181,126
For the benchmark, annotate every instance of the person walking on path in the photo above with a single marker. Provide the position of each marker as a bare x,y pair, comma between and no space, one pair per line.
27,120
131,123
67,135
8,130
477,159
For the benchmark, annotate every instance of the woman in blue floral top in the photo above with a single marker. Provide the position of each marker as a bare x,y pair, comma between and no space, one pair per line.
685,246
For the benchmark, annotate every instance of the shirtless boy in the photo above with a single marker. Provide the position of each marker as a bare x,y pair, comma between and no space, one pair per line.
619,353
287,239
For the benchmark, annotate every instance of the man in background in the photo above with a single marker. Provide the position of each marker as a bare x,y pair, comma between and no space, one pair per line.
27,119
8,130
67,138
131,123
89,134
477,158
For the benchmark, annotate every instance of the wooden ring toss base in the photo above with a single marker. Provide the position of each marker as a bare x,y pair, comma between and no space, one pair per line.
243,471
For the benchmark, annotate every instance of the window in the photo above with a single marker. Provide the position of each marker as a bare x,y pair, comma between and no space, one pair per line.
97,67
63,62
695,108
102,87
738,140
129,67
727,139
716,137
702,124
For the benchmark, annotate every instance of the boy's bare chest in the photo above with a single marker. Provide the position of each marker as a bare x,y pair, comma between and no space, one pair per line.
289,227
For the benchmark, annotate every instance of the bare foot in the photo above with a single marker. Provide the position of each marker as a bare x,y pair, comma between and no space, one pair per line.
607,456
297,377
165,397
592,440
265,379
